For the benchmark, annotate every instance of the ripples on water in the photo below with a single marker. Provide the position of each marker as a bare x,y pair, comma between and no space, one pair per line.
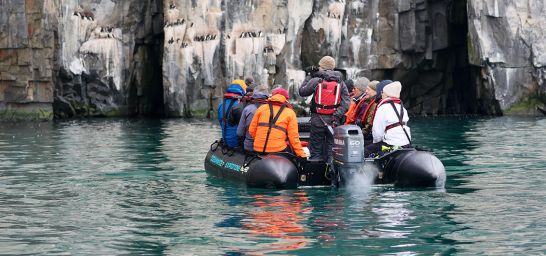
121,186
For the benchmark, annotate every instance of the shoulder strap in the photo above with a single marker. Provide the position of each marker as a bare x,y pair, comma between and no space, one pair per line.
400,118
227,111
272,121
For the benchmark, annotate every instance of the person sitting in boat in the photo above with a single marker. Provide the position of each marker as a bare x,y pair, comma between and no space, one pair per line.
243,101
329,104
358,101
365,122
226,113
274,123
259,97
390,122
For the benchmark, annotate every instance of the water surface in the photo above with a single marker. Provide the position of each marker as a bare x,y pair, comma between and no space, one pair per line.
124,186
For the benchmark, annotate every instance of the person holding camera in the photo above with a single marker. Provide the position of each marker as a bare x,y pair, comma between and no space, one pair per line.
329,104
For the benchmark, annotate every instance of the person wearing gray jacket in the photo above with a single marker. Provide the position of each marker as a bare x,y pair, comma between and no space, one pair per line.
321,140
258,98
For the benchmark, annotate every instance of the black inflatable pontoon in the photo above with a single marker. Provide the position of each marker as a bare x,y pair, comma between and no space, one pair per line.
403,167
278,170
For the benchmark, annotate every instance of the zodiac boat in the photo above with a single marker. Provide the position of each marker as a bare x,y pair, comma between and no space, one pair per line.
406,167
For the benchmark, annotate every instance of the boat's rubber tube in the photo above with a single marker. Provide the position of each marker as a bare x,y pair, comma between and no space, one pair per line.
273,171
268,171
415,169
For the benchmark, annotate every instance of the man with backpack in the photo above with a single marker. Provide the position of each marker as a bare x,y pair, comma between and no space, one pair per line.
329,104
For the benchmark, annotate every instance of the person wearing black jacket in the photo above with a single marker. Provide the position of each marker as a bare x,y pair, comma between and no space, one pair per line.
330,111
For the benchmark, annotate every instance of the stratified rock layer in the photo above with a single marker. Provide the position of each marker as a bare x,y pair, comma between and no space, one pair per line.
175,57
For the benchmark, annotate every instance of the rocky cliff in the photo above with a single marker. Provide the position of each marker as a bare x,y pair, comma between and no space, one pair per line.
175,57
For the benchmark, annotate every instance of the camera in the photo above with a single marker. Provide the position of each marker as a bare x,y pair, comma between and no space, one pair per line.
311,70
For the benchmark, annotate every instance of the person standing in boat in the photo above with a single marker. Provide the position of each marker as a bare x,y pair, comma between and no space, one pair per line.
358,100
274,123
249,81
226,115
390,122
258,98
329,104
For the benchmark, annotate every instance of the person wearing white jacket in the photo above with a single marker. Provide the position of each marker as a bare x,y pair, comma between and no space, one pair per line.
390,122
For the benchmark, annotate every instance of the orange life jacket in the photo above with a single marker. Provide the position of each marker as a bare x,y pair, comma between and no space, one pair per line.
273,124
352,113
367,118
327,97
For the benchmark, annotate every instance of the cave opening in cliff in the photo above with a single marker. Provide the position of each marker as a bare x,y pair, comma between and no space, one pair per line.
145,97
460,93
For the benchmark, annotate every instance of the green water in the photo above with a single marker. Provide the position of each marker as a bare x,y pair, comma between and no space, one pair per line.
121,186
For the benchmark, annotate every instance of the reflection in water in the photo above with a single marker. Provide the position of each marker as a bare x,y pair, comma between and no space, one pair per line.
132,187
277,221
393,213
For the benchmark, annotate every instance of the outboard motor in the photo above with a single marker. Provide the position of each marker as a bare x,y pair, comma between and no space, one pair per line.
348,152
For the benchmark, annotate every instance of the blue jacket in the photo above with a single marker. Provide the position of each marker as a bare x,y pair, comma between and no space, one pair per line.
229,127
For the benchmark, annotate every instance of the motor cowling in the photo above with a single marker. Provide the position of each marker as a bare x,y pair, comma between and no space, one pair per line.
348,151
348,144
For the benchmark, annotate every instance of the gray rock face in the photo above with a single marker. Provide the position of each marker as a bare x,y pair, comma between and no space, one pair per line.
26,56
108,58
176,57
506,40
273,41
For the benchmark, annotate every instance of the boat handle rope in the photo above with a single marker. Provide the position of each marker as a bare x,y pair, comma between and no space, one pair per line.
214,146
250,160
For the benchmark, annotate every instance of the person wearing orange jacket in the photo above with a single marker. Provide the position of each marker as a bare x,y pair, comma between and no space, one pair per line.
358,100
274,123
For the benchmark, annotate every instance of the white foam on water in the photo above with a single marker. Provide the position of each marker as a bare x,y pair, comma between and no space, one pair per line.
363,180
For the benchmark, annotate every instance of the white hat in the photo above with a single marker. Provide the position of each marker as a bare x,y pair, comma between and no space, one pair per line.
393,89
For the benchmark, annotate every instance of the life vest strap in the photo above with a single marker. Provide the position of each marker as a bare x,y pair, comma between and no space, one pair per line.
390,126
327,106
231,95
273,126
400,116
272,122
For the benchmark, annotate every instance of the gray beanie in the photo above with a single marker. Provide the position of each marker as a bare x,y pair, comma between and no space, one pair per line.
361,83
262,88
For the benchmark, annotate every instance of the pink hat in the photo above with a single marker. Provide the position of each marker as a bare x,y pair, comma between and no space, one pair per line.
281,91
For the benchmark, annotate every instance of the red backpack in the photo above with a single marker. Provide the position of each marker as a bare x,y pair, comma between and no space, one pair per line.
327,97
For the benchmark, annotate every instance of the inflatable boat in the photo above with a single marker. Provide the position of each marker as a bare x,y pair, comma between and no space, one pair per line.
406,167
